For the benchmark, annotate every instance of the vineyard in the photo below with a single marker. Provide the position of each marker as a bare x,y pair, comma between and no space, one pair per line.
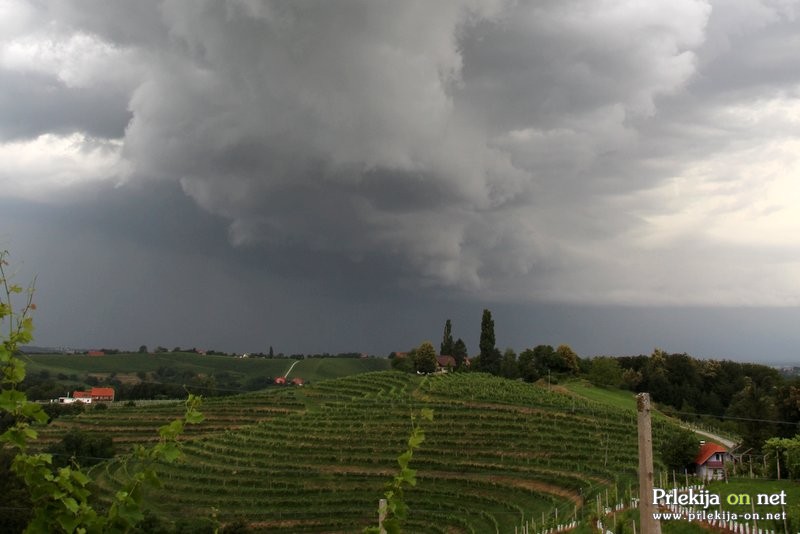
498,453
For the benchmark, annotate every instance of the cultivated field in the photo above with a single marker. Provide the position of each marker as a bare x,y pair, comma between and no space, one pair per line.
316,459
310,369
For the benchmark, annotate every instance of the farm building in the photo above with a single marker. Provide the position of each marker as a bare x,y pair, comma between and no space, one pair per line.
280,380
96,353
710,461
297,381
95,395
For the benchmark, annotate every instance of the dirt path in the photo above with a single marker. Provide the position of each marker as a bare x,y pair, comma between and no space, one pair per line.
728,443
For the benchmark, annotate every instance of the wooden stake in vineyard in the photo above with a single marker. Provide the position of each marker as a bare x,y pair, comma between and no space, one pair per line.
382,507
650,525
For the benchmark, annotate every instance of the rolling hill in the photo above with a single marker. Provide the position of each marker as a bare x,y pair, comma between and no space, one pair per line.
499,453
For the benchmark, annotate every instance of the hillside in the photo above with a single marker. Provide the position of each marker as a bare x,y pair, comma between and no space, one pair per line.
317,458
231,374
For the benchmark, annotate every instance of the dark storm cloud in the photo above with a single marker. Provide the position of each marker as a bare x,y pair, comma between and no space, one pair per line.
32,104
559,151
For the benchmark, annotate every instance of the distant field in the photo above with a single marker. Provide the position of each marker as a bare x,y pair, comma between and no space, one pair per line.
310,369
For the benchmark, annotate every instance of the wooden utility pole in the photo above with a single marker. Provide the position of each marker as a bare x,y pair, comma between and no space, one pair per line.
650,525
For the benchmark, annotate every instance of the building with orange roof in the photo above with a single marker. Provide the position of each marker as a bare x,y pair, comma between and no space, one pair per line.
710,461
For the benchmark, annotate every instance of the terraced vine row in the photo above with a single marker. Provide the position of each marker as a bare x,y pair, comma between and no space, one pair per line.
317,458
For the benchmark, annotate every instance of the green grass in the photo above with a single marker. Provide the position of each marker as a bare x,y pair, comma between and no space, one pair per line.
618,398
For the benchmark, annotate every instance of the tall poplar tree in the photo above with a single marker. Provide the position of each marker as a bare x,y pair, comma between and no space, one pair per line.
489,357
447,340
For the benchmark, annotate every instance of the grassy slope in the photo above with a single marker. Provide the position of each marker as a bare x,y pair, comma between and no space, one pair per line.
618,398
494,453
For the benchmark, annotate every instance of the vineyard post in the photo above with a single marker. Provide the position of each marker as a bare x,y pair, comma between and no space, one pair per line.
382,514
650,525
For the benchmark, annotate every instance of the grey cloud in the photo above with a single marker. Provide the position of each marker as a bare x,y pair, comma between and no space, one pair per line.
34,104
493,148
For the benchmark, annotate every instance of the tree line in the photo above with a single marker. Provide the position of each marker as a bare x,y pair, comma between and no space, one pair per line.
756,401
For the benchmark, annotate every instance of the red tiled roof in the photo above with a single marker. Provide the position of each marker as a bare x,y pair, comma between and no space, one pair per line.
446,361
82,395
102,392
707,450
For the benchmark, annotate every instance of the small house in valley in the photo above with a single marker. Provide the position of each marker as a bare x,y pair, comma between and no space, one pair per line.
95,395
710,461
88,397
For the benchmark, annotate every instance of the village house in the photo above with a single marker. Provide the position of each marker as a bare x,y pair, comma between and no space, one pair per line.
95,395
445,363
710,461
88,397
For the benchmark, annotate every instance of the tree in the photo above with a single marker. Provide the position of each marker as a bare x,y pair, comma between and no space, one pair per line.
605,372
679,449
489,358
447,340
425,358
567,360
487,341
508,365
271,353
755,407
460,353
403,363
545,359
143,349
527,367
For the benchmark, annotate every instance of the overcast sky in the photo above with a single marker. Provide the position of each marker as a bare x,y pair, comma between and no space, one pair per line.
346,175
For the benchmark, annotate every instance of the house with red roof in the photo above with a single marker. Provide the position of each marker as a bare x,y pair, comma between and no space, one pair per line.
102,394
445,363
95,395
280,380
710,461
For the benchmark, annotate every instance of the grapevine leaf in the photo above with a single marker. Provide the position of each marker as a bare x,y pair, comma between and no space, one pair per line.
416,438
193,417
404,458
